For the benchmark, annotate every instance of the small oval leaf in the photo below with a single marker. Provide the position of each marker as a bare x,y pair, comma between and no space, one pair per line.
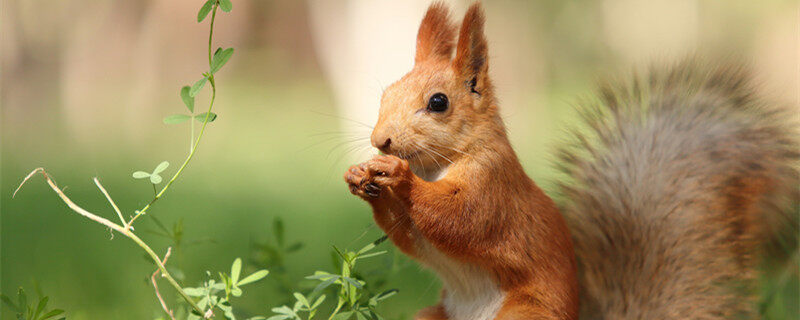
202,117
236,269
187,99
220,58
197,86
176,118
155,179
140,175
258,275
161,167
204,10
226,5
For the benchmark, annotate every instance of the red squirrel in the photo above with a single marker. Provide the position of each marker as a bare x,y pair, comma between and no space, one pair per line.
450,192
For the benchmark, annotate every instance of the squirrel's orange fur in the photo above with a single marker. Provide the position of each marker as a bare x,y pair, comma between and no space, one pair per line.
478,208
667,198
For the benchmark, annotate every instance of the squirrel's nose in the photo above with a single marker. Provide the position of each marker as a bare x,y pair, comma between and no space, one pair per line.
381,141
385,145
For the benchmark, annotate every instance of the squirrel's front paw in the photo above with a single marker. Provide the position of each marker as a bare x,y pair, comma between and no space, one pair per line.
370,179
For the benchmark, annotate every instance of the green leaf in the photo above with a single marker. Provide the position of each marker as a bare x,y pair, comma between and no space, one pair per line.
236,269
323,285
236,292
204,10
371,255
155,179
202,117
140,175
279,317
176,118
187,99
283,310
195,292
161,167
225,5
318,302
343,315
255,276
366,248
220,59
385,295
302,299
354,282
40,307
277,227
294,247
8,302
322,275
52,313
197,86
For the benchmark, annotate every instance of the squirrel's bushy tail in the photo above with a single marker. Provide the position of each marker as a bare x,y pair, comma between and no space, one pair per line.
682,174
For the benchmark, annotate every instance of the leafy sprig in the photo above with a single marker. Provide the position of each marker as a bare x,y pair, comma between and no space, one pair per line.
352,300
29,311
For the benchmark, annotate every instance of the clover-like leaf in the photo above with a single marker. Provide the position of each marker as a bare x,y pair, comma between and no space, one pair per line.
187,99
226,5
197,86
255,276
176,118
51,313
140,175
155,179
220,58
204,10
195,292
236,269
202,117
161,167
318,302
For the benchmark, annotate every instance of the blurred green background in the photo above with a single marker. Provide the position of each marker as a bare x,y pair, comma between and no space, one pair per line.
85,85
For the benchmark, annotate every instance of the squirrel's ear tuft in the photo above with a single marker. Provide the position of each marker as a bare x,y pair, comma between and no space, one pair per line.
472,61
436,34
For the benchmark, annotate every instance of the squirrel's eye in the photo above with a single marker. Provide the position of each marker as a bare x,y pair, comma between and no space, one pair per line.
438,102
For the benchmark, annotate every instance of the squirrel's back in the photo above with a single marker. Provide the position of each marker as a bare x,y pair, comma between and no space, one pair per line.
681,176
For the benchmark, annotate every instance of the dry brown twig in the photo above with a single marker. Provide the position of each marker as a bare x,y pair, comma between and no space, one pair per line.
155,285
126,230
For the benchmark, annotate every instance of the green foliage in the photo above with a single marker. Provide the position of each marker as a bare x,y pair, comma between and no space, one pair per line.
352,300
216,294
33,311
204,10
154,176
197,86
221,57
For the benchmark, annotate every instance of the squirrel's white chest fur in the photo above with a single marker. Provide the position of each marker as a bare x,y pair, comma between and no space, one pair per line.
470,292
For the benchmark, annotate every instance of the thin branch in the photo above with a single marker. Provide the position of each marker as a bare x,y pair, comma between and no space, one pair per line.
111,201
115,227
202,128
155,285
69,202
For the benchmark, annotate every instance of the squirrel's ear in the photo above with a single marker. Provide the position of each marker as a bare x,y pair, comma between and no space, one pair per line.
436,34
472,61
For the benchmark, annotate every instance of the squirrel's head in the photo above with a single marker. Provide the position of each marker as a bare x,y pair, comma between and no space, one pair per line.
444,105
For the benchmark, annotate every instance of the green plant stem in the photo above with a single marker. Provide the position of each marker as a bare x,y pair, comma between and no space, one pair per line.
202,129
335,311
